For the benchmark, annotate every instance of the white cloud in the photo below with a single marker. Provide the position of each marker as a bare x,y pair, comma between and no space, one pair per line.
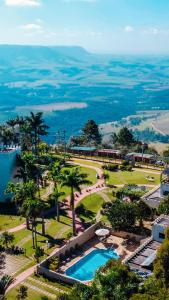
31,26
128,29
152,31
22,2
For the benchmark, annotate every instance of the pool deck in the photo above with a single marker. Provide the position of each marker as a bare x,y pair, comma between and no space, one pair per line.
112,241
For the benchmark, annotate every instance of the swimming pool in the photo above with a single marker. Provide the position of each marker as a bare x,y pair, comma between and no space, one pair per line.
87,266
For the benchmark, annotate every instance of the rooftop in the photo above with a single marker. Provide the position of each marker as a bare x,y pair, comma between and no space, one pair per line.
140,155
111,151
162,220
153,198
80,148
144,257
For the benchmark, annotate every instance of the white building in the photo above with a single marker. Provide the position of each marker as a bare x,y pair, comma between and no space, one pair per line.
159,226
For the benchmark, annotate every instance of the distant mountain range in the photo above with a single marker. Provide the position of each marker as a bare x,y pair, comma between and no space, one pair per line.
107,87
18,55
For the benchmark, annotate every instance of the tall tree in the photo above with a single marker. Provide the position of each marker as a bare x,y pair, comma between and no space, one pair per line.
33,208
121,215
37,128
21,191
144,212
55,198
74,180
125,137
91,133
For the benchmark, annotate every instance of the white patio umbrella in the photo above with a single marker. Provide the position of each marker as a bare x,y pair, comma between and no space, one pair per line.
102,232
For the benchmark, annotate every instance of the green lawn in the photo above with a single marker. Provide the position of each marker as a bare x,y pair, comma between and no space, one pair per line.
45,285
92,204
87,163
62,286
91,174
8,221
23,237
11,295
134,177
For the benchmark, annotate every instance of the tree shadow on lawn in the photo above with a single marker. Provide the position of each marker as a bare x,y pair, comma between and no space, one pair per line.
82,211
63,213
53,241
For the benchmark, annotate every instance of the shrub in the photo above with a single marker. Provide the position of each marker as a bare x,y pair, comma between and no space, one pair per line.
126,166
53,263
110,167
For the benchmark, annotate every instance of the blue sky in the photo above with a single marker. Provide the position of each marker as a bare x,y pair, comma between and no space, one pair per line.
105,26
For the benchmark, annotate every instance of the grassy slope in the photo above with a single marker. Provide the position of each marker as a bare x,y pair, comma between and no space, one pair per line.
93,204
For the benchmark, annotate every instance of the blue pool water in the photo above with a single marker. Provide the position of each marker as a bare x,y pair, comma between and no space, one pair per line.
86,267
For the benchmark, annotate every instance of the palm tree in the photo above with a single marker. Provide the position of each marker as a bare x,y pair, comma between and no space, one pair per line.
33,208
55,197
73,179
20,192
37,128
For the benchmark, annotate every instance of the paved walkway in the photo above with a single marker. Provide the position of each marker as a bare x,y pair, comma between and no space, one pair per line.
15,229
21,277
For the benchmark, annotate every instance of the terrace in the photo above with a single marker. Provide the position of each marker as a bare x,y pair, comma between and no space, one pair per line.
72,255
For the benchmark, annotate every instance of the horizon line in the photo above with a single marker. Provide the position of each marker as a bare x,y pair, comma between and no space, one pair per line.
104,52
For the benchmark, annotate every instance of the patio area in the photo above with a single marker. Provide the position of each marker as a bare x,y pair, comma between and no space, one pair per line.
111,242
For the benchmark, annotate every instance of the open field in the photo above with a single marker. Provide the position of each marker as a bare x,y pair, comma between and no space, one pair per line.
133,177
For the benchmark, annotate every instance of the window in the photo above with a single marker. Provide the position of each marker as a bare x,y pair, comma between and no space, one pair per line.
161,235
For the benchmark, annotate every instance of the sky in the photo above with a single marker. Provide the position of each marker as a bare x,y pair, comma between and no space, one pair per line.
102,26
